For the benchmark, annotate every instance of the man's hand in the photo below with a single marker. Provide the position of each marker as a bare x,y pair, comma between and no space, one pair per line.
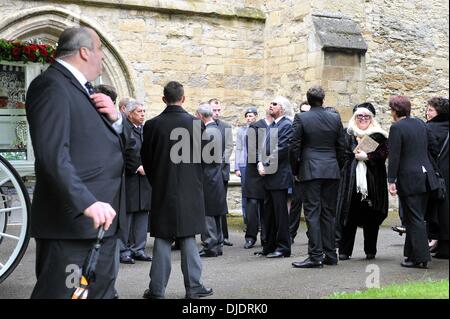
101,213
392,189
261,169
141,171
105,105
238,173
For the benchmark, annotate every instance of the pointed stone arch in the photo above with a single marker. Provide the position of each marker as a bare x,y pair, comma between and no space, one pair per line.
48,22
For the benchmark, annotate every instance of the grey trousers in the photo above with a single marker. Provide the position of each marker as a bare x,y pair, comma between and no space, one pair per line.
191,265
137,234
213,238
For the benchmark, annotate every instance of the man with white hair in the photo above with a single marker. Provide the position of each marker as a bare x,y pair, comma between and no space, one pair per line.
274,166
137,189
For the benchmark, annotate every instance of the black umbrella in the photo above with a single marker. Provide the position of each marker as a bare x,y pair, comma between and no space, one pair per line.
88,270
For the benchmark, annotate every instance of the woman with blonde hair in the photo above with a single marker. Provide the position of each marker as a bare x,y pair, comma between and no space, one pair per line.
363,196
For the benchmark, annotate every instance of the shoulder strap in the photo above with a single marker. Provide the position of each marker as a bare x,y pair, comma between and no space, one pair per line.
443,146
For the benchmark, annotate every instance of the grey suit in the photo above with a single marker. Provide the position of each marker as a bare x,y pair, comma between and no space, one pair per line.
316,154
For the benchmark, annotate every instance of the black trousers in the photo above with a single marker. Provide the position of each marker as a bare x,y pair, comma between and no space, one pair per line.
57,262
255,211
296,210
416,241
276,222
360,214
224,217
319,205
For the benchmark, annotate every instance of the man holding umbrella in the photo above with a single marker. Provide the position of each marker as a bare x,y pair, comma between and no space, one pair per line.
79,169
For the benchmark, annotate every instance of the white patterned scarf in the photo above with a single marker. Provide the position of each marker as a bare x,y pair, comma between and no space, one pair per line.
361,167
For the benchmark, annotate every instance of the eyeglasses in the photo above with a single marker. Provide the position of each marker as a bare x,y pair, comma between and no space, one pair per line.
363,117
274,103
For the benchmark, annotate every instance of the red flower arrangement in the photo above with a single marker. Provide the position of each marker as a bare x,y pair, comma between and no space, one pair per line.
17,51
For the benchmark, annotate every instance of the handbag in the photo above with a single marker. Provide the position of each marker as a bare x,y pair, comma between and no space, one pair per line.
441,192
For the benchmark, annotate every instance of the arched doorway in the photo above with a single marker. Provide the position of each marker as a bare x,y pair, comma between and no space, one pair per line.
46,24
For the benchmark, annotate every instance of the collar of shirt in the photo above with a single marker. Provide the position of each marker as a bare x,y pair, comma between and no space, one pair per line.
278,119
267,122
75,72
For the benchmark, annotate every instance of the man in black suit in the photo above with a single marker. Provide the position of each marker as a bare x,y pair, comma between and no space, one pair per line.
171,156
138,190
227,149
411,175
79,168
316,154
253,189
213,186
274,166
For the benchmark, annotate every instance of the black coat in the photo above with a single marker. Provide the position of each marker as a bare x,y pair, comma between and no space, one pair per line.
281,176
254,184
227,147
410,147
376,180
178,205
137,188
439,130
213,186
79,158
318,145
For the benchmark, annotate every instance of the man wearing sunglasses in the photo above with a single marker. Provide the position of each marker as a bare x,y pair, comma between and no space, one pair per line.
274,166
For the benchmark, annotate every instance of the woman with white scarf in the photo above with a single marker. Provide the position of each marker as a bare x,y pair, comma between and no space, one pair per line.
363,196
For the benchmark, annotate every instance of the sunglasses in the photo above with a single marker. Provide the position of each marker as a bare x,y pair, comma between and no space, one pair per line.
363,117
274,103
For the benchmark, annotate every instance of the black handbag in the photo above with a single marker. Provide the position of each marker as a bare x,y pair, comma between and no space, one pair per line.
441,192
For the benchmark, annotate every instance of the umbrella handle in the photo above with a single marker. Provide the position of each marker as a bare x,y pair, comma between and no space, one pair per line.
101,233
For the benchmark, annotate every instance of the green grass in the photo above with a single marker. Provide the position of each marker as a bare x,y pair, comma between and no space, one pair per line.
429,289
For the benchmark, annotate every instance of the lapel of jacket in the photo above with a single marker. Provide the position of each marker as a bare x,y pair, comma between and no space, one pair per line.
78,85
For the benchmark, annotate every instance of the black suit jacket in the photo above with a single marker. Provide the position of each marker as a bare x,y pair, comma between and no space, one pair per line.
214,188
137,188
410,147
178,206
254,183
278,173
318,145
227,147
79,158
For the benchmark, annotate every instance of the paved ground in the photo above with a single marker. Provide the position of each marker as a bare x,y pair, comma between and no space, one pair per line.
238,274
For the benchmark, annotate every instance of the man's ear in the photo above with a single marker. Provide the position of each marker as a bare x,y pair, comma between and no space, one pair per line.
84,53
183,99
164,100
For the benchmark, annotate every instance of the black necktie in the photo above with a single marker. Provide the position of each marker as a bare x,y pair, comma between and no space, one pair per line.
90,88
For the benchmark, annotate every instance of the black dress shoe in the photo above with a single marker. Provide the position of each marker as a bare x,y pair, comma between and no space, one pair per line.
207,253
440,256
261,253
411,264
344,257
307,263
278,254
142,257
330,261
148,295
199,293
399,229
127,260
370,256
249,244
227,242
